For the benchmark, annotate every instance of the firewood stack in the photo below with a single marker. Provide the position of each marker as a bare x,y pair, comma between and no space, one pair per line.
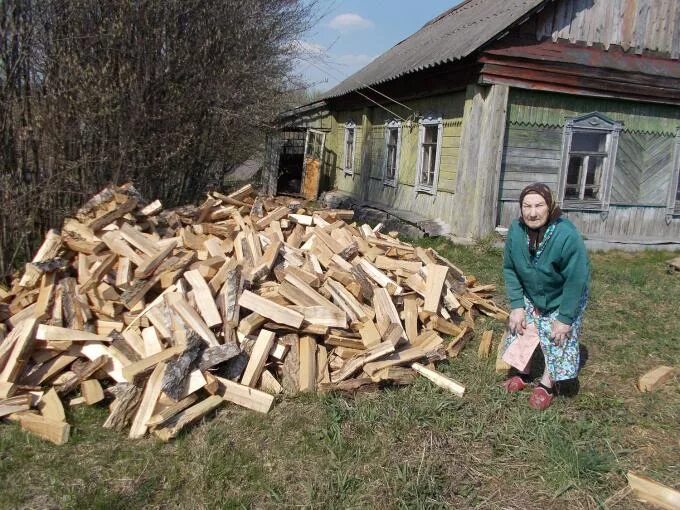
167,314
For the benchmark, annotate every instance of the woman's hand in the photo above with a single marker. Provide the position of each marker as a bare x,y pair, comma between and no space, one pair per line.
517,322
560,332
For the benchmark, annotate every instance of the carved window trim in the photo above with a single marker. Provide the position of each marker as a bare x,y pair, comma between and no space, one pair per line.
595,123
348,164
389,128
673,201
429,120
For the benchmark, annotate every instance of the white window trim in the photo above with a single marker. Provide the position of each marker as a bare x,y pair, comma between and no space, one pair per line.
597,123
349,170
672,206
394,124
429,120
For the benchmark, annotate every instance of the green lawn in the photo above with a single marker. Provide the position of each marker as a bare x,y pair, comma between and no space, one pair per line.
407,447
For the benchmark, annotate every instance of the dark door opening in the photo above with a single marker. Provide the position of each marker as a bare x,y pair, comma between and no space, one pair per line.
291,161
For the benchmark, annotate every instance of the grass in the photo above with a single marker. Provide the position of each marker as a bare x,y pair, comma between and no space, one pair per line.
406,447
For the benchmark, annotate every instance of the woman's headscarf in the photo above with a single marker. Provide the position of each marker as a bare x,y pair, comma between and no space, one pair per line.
554,212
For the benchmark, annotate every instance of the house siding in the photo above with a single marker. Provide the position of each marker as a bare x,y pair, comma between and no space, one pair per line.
642,174
368,181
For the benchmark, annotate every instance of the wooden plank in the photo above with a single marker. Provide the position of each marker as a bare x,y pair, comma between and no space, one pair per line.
115,242
204,298
270,310
323,316
379,277
50,406
53,333
22,337
650,491
152,390
396,359
347,301
192,318
440,379
258,357
97,274
92,391
54,431
369,334
45,296
391,264
655,378
355,363
170,411
175,424
151,263
411,317
485,344
140,241
244,396
48,250
434,283
311,293
307,374
269,384
152,343
130,371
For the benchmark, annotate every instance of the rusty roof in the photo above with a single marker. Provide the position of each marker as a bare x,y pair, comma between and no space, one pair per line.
451,36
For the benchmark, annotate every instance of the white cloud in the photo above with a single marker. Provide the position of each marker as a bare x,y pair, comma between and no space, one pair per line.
350,21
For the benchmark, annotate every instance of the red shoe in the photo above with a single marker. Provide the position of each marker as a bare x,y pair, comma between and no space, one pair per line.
514,384
540,399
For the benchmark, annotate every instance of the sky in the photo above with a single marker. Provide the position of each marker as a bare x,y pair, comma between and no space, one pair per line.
351,33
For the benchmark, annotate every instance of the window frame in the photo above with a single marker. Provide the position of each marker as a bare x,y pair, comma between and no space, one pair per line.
595,123
389,127
673,203
429,120
349,170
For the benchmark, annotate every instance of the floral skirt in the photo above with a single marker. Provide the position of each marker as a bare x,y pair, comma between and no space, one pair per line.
563,360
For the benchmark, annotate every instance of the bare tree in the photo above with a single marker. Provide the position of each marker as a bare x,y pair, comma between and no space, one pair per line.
167,93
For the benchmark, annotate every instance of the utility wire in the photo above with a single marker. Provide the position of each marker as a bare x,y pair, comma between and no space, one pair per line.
335,77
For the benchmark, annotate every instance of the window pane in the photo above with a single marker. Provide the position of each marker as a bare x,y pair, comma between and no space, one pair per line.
430,134
391,162
433,160
394,134
588,142
349,148
571,192
574,170
593,177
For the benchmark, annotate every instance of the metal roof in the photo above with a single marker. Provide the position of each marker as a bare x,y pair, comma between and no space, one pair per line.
451,36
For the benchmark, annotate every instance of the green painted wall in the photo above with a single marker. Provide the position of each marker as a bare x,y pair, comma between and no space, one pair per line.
533,145
371,150
550,109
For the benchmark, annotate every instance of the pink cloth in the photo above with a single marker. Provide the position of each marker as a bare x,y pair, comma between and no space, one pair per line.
519,353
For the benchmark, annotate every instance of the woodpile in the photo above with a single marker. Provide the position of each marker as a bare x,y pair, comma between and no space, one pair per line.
168,314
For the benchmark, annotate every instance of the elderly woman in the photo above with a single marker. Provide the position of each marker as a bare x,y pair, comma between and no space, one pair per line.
546,272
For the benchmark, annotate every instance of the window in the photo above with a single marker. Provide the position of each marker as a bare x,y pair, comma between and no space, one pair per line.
392,152
588,154
673,206
429,154
350,139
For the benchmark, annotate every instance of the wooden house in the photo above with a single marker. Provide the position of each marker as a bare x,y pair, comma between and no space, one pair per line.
451,123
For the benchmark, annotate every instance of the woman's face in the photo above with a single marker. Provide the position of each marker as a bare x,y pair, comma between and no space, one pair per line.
534,210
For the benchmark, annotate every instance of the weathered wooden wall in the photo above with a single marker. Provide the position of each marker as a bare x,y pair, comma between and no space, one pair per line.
639,25
643,169
623,223
367,183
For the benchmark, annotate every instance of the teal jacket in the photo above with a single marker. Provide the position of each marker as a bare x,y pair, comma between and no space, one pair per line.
556,280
